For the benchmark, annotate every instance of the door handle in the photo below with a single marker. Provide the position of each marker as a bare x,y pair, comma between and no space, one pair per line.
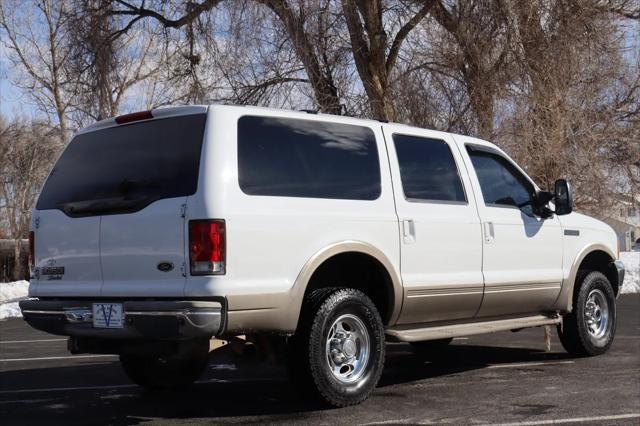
408,231
489,235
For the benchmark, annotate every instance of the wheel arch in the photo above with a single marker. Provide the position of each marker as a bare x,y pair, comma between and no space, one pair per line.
594,257
332,256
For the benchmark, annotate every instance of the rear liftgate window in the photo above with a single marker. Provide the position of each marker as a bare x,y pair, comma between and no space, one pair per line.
304,158
124,168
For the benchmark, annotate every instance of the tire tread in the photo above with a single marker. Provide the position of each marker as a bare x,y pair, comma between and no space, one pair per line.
573,336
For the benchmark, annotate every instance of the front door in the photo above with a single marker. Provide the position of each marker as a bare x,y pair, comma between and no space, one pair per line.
441,241
522,252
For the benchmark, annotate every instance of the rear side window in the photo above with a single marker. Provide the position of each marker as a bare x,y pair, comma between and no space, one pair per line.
428,169
302,158
129,166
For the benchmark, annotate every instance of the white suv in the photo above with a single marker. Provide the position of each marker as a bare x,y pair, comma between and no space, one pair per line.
159,230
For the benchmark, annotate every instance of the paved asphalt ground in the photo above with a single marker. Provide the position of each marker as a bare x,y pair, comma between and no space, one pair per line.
499,378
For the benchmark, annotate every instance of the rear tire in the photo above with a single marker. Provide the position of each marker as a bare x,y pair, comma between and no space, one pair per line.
337,353
590,328
167,371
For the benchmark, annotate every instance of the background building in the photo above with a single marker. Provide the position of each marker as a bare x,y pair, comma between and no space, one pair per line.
624,218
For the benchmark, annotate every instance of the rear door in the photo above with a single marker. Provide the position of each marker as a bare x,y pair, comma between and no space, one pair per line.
143,252
68,253
124,189
441,242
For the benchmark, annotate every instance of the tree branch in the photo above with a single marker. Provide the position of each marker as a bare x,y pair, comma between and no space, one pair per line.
140,12
404,32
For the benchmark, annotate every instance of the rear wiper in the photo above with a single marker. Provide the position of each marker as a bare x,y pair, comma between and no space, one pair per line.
101,206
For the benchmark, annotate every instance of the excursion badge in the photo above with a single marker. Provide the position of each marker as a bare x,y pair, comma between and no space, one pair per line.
51,271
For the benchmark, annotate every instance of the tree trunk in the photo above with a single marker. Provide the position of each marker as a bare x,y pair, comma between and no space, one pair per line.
324,89
18,272
369,54
481,98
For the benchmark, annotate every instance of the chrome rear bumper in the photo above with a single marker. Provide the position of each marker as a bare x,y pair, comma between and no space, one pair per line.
171,320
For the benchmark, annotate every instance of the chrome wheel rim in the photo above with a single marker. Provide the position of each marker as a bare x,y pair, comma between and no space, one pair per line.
347,348
596,314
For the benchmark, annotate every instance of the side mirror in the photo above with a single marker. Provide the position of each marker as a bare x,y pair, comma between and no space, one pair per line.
563,197
540,204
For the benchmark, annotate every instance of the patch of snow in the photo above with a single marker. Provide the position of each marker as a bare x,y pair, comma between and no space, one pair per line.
10,294
631,260
13,291
10,310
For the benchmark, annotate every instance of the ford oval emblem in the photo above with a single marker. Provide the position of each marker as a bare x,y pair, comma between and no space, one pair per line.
165,266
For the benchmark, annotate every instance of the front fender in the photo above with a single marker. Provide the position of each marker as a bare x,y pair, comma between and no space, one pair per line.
564,302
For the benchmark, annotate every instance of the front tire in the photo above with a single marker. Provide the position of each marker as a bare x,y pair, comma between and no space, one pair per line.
167,371
590,328
337,354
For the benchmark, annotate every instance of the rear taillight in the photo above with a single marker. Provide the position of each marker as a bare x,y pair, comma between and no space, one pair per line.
32,252
207,247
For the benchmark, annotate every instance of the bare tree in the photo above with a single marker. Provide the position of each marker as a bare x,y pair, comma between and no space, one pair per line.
27,150
477,50
574,100
318,70
42,54
253,63
374,55
107,67
552,82
294,23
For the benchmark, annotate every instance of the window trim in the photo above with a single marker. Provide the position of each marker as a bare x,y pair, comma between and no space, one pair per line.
285,117
455,163
492,151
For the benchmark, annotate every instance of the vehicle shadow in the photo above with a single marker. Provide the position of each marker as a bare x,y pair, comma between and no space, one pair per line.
249,393
405,366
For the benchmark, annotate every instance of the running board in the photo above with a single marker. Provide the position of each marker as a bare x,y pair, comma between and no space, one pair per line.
405,333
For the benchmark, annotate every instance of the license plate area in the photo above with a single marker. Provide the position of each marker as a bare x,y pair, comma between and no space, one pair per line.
108,315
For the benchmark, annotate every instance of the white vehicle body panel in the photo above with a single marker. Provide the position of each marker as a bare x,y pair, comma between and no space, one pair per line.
271,238
130,259
522,254
123,250
441,246
72,243
439,254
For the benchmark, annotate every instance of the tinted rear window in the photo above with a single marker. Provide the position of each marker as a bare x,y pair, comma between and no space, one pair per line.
303,158
428,169
149,160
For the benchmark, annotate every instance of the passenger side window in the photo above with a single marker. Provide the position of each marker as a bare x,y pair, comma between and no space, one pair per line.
304,158
428,169
501,183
